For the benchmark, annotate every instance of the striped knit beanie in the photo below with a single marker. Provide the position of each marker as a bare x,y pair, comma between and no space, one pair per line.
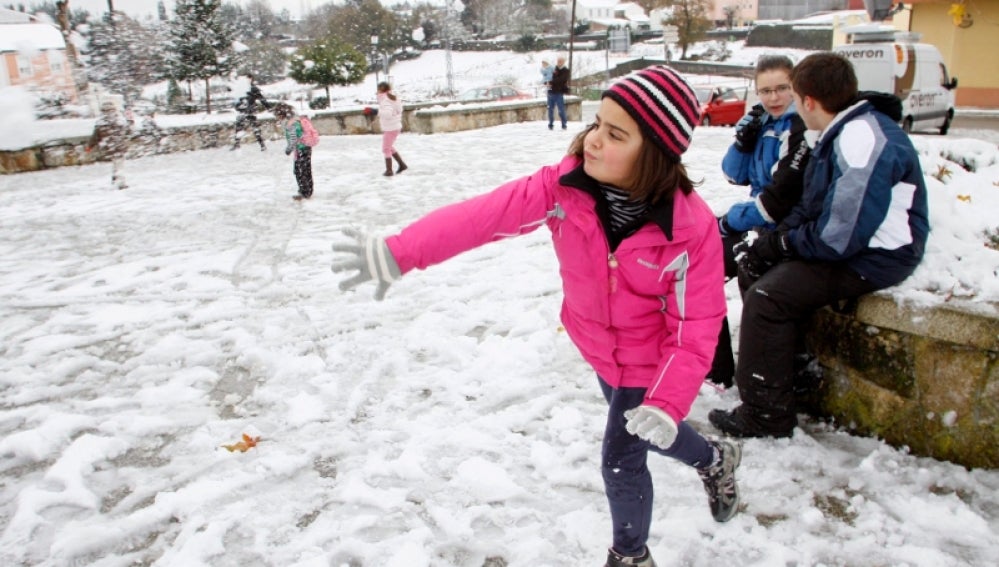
663,105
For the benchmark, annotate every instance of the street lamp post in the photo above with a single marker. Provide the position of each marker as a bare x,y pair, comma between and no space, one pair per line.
374,55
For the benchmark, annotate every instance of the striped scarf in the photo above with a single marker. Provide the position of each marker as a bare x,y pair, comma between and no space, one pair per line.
624,213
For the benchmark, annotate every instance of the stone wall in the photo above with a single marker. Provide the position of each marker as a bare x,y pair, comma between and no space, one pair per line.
922,377
422,118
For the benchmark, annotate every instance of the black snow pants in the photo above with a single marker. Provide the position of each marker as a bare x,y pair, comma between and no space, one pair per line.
773,309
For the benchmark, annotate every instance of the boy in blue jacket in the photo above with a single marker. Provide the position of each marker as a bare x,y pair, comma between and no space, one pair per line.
861,226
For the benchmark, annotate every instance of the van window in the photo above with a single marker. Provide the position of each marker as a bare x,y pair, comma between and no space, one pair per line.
944,79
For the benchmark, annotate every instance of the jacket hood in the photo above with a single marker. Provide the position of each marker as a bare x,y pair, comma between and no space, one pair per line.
887,104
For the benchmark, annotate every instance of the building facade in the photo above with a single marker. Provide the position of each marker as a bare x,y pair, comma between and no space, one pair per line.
33,56
968,40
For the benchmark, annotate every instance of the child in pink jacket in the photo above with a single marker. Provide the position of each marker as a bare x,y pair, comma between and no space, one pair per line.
390,120
641,264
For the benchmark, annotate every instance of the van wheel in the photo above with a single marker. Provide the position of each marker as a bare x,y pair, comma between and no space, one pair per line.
705,120
907,125
945,127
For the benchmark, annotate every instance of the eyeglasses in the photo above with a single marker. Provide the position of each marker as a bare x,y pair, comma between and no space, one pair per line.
779,89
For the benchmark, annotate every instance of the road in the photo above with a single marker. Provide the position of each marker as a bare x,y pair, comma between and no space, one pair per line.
985,127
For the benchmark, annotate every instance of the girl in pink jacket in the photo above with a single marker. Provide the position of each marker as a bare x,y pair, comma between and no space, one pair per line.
390,121
641,265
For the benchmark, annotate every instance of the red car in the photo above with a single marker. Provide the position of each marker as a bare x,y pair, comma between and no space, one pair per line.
496,92
721,105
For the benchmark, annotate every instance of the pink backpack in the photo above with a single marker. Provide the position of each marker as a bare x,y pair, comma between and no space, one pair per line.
310,137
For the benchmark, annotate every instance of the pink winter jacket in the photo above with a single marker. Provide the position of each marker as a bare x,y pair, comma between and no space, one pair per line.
389,113
646,316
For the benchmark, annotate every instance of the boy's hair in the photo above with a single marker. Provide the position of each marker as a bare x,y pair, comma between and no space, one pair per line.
826,77
773,62
656,174
283,110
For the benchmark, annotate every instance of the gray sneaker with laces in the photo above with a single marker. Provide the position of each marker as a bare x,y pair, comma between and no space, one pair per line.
719,481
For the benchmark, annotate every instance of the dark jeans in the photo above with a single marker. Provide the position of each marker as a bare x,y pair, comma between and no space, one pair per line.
773,308
556,101
627,481
303,171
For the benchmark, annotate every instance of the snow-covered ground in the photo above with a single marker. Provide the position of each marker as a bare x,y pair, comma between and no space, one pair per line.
452,424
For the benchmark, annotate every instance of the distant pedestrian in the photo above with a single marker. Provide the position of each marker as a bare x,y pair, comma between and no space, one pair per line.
248,106
558,87
110,137
297,148
390,120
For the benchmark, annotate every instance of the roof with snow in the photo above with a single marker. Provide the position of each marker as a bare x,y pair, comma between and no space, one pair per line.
30,37
8,16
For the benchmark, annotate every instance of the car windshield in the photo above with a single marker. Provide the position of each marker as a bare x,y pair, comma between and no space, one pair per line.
703,95
475,94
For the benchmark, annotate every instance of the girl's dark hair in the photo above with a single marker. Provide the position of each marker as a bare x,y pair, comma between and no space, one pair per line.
773,62
384,87
826,77
656,175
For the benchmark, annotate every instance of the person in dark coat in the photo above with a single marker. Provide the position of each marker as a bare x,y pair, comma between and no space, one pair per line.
557,89
248,106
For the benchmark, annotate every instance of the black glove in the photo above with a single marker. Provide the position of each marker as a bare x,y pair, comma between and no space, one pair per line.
748,129
287,151
723,227
769,248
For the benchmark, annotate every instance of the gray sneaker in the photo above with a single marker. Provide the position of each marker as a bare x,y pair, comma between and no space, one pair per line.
615,559
719,481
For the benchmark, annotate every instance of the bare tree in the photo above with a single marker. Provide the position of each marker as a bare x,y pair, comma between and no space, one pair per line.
691,20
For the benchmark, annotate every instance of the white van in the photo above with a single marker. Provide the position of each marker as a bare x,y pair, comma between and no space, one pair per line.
896,63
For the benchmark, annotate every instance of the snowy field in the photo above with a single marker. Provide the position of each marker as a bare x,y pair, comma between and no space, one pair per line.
452,424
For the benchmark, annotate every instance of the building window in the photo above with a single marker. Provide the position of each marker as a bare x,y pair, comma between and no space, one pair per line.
56,61
24,68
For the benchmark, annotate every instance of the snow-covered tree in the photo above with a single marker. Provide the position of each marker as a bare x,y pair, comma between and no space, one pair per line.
201,44
265,60
123,55
328,62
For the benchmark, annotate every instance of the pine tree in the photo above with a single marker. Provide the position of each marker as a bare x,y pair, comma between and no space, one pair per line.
122,55
328,62
201,44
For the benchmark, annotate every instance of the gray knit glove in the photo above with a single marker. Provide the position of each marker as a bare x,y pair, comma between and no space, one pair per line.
372,259
651,424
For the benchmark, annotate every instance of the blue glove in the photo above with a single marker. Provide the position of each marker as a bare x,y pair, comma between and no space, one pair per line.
747,130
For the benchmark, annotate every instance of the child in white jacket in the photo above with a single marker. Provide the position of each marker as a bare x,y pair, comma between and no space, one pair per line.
390,119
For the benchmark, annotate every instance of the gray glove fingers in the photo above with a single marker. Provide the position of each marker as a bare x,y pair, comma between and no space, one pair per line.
356,249
353,282
380,291
353,233
347,265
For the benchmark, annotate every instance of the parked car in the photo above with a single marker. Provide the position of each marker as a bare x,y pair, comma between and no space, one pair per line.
721,106
496,92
